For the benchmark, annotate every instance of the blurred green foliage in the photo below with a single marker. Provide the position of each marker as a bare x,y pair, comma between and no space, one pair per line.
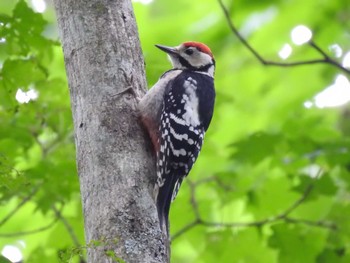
261,153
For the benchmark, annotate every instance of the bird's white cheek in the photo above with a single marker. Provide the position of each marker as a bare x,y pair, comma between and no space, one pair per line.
174,61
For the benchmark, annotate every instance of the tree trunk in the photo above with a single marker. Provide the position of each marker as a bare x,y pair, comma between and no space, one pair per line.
115,164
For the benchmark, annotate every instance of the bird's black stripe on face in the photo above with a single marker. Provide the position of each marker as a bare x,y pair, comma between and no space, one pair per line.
187,65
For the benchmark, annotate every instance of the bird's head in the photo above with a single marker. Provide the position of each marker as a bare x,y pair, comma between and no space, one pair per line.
192,56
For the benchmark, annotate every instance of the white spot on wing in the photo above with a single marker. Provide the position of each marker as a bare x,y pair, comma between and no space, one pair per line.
177,119
176,152
177,136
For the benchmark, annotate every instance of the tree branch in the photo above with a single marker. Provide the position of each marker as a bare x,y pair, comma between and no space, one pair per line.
326,59
284,216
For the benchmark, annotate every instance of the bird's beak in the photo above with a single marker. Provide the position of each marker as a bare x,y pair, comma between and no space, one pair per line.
169,50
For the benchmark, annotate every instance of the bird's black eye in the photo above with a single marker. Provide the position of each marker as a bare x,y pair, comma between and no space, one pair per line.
189,51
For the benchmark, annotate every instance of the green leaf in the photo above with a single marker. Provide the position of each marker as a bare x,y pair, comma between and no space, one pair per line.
22,73
256,147
289,239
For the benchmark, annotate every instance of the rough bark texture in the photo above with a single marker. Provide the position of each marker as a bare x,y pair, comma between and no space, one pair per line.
115,165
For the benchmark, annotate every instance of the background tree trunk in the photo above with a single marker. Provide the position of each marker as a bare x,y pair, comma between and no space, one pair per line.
115,165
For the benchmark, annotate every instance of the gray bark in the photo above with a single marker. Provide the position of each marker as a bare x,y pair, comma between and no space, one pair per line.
115,164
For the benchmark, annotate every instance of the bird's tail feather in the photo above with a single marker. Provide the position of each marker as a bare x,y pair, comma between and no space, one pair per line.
164,199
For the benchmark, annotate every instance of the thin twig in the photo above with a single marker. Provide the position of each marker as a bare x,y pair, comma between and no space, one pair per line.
30,232
298,202
23,202
205,180
239,224
319,50
46,149
67,226
321,224
240,37
185,229
193,198
326,59
69,230
215,179
305,195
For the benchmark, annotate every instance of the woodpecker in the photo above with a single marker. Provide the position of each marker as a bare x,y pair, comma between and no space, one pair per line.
177,112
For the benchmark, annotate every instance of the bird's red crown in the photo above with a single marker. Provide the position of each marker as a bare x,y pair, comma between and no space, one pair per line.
200,46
